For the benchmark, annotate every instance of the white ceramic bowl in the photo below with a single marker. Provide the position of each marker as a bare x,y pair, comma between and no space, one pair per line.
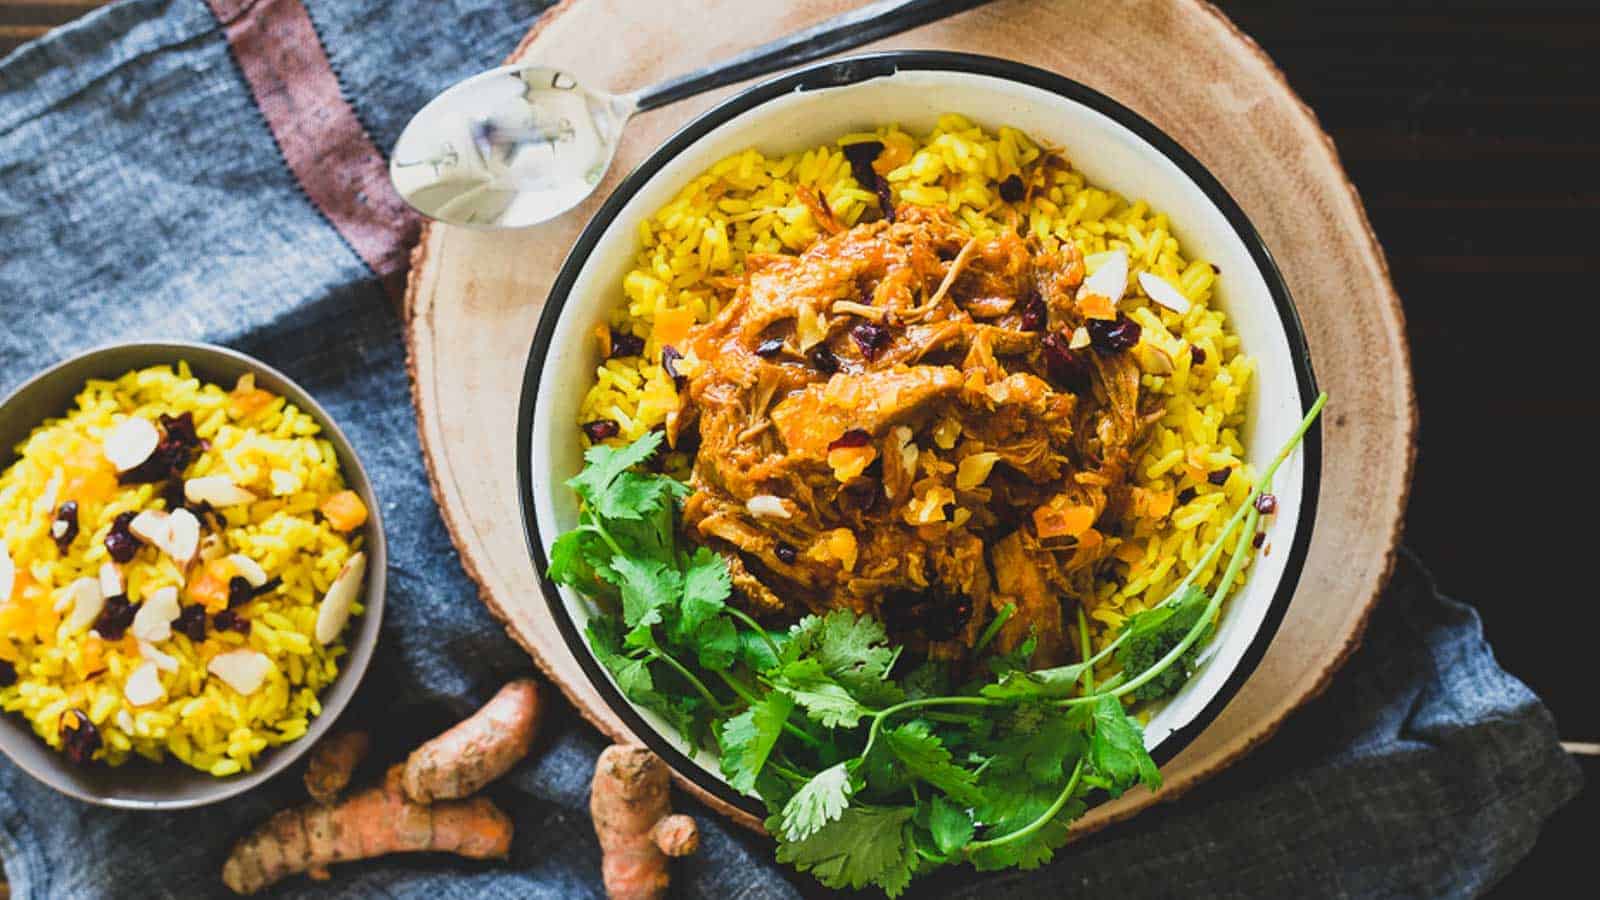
1113,147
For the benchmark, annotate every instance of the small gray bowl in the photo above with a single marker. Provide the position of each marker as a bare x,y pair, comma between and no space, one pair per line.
140,784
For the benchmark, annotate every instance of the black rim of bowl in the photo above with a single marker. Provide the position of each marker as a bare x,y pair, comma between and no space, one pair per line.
841,73
274,760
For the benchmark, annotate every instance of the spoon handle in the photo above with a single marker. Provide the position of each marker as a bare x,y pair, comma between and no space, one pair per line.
842,32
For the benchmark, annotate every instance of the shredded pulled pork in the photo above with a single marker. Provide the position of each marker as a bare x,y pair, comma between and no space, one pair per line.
894,422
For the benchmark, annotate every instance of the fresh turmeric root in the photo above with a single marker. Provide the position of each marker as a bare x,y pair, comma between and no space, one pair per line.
477,751
332,762
398,816
373,822
630,803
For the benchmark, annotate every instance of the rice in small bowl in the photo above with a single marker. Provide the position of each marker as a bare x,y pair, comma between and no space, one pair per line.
187,562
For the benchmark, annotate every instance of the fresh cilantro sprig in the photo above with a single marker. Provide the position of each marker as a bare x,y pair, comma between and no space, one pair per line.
871,778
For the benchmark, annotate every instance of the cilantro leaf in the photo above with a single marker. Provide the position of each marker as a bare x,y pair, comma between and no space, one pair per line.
1116,749
1040,684
1038,743
950,825
716,643
649,589
930,679
844,643
926,757
1018,658
570,559
632,675
1149,635
755,652
604,466
706,588
818,802
1015,804
823,699
748,738
863,846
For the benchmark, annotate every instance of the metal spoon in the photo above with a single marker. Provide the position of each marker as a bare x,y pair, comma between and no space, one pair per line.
522,144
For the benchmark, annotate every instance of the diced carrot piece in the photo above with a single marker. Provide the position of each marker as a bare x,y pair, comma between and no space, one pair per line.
672,325
92,658
246,399
344,511
89,476
1069,521
211,588
1094,306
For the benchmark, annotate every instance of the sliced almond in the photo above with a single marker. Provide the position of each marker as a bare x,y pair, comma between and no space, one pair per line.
8,573
1110,280
130,442
1162,291
242,670
152,526
144,686
125,722
87,602
163,661
185,537
217,490
249,569
153,621
1080,338
335,611
766,506
110,579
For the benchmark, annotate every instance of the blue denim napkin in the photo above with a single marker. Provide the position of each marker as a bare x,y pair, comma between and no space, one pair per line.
142,195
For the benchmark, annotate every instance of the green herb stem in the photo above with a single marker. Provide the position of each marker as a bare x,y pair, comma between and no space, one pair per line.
1038,823
755,626
688,676
994,626
1083,642
879,717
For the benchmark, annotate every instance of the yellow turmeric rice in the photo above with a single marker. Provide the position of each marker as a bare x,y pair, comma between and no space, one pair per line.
691,258
230,665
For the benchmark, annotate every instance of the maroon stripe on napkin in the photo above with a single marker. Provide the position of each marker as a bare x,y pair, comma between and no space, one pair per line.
327,148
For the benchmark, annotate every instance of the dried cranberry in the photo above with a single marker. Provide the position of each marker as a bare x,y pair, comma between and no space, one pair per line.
1034,313
228,620
178,445
1110,336
79,738
769,347
885,199
115,617
8,674
601,429
65,528
239,592
1266,504
1219,477
861,156
120,542
1012,189
871,338
625,344
191,623
1185,495
786,553
823,359
1067,367
1197,356
173,494
855,437
1258,540
669,364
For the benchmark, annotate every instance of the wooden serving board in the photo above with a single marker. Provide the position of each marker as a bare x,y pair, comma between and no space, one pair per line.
474,298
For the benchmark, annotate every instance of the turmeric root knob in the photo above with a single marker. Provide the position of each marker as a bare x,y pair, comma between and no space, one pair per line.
630,803
368,823
332,762
478,750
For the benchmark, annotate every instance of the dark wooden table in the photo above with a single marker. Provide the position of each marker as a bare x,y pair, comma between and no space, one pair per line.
1472,129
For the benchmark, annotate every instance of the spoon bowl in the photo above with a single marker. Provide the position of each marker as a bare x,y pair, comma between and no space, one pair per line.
508,148
522,144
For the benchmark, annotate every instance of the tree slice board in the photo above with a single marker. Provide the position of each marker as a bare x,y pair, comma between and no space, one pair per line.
474,298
